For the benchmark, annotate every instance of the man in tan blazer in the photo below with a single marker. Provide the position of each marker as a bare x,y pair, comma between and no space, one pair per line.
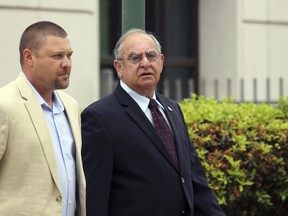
41,172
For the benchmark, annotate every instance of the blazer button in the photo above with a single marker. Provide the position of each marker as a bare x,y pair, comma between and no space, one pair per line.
59,198
183,180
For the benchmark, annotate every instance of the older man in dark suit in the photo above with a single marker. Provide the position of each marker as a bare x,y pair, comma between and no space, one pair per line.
137,156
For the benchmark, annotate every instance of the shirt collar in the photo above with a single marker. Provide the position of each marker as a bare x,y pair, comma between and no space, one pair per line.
141,100
57,103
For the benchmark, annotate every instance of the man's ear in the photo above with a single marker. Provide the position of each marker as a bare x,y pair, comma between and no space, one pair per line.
28,56
118,65
162,61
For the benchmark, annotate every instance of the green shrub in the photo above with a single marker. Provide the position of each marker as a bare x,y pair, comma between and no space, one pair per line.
243,148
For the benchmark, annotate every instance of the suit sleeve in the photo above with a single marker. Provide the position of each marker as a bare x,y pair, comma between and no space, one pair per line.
205,201
97,156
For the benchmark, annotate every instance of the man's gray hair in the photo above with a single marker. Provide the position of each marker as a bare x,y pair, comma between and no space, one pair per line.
118,47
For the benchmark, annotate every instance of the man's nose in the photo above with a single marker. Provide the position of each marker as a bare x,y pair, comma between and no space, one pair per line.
145,61
66,62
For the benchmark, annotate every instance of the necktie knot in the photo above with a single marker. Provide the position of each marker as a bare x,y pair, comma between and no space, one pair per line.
152,103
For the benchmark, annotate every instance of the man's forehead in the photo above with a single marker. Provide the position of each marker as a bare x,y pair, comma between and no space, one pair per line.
138,52
57,44
139,43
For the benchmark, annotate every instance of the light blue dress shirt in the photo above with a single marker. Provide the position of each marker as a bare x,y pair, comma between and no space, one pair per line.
64,147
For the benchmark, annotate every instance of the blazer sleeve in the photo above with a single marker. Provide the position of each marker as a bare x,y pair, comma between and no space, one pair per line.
3,131
97,156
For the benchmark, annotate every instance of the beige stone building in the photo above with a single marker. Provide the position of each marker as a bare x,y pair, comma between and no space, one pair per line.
240,47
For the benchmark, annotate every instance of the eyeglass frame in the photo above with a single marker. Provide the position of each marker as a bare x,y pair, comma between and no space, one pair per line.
135,58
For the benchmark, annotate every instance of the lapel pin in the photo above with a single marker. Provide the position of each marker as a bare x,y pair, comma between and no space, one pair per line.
170,109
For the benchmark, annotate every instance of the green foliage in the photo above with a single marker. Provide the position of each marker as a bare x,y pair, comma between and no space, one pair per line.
243,148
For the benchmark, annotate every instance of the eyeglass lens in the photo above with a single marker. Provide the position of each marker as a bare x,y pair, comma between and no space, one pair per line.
136,58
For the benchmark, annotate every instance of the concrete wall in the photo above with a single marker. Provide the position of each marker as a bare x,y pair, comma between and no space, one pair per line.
239,40
218,45
78,17
244,39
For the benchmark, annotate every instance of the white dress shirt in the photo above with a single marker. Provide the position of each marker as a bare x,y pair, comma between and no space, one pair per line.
143,102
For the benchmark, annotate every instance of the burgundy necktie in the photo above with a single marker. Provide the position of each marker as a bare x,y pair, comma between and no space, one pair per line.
163,130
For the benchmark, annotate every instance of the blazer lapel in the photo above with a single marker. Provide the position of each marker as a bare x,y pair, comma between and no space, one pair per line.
73,116
41,128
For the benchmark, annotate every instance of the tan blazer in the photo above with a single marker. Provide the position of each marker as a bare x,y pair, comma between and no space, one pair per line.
29,181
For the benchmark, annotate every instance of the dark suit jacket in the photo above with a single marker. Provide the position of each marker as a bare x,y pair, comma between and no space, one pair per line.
129,172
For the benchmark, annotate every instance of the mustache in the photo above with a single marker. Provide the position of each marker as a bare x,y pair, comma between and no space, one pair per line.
64,72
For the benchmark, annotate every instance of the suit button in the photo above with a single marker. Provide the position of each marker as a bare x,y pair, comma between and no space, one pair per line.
184,213
183,180
59,198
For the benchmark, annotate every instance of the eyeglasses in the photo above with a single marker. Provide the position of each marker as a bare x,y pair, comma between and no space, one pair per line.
136,58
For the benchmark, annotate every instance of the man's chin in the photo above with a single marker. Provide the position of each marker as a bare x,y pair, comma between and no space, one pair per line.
62,85
149,84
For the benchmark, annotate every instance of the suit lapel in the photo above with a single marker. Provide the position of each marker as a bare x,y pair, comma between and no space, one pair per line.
142,121
41,128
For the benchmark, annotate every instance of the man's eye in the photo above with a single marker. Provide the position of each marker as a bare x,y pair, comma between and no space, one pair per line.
69,56
57,56
135,58
152,56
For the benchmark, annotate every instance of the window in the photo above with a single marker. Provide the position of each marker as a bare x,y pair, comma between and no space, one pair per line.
175,25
